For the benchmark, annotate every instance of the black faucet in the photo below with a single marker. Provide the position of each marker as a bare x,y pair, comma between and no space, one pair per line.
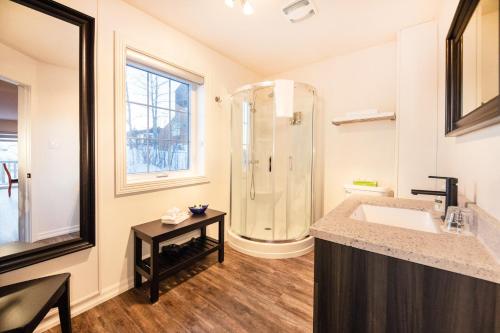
451,192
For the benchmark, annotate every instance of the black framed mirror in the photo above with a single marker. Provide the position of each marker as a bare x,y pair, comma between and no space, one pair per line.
47,154
472,67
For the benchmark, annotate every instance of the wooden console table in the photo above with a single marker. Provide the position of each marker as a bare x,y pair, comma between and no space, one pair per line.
158,265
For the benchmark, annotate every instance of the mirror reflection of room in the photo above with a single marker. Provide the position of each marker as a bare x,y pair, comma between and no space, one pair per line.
39,129
9,214
480,56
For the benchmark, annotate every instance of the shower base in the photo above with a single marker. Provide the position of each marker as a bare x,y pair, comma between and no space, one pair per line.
270,250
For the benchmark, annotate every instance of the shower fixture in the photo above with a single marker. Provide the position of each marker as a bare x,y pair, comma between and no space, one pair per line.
272,172
247,7
296,119
253,161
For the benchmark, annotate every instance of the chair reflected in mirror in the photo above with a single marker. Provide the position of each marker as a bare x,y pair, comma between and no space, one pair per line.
9,179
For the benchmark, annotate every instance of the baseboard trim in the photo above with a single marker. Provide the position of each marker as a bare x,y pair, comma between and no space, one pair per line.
57,232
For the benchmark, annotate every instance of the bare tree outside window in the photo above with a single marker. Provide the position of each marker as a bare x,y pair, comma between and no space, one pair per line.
158,116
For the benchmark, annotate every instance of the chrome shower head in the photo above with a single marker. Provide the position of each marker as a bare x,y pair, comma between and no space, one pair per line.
252,107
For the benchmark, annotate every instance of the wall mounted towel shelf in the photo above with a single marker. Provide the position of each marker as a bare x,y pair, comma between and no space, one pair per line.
347,119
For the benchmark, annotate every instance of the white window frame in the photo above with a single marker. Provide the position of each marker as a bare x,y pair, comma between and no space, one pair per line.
133,183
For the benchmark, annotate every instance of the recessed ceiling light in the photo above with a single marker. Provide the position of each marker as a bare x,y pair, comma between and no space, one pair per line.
247,7
245,4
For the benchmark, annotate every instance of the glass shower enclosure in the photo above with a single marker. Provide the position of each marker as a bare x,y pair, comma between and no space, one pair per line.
271,164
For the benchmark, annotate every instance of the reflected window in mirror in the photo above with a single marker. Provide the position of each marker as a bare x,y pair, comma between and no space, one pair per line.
472,67
45,106
480,57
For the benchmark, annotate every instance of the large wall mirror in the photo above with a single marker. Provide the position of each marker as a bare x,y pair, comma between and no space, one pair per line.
473,71
46,132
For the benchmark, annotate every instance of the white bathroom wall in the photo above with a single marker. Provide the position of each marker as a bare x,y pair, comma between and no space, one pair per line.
417,108
55,154
118,214
106,270
473,158
355,81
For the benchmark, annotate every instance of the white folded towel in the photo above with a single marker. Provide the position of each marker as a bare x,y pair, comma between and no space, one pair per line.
283,98
174,216
168,219
173,211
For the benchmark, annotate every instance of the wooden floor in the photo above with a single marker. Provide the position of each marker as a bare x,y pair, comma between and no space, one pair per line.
9,216
244,294
16,246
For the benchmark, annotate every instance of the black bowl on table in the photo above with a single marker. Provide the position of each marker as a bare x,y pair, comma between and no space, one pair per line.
198,210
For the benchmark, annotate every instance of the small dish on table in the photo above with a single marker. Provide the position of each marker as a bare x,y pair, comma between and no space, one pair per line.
198,209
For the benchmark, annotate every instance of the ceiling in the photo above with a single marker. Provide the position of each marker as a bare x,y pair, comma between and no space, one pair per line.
39,36
268,44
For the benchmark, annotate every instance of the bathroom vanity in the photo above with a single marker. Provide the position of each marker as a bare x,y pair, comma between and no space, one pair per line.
373,276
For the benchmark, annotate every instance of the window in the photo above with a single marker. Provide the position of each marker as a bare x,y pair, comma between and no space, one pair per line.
158,116
159,123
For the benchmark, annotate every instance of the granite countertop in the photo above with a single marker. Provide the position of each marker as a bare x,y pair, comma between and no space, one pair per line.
464,254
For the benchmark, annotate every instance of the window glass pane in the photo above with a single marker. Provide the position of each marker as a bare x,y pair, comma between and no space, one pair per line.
159,91
245,159
159,156
9,157
179,126
177,155
180,156
137,121
8,151
136,85
137,156
157,124
160,119
180,96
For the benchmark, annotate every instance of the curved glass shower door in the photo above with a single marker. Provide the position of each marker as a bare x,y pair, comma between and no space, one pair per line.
271,166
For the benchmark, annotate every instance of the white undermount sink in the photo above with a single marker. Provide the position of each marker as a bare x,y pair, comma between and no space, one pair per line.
396,217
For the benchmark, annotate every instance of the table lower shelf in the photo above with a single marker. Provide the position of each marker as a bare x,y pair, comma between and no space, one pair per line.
170,264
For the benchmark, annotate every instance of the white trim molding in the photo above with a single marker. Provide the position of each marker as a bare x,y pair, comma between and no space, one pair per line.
57,232
129,184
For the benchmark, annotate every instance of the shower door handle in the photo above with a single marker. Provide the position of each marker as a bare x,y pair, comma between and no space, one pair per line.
270,163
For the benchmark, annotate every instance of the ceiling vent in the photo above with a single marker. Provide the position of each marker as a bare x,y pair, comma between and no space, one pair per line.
299,10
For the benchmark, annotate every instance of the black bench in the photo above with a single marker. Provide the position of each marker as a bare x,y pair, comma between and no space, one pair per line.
24,305
159,265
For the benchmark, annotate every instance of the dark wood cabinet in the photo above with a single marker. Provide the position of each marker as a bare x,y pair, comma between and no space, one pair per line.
361,291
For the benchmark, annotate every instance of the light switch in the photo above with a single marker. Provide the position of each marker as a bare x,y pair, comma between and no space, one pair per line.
53,144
